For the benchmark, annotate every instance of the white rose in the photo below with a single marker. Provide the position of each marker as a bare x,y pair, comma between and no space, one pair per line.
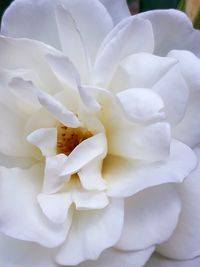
99,116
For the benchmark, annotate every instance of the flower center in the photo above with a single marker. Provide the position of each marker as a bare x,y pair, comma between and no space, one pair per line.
68,138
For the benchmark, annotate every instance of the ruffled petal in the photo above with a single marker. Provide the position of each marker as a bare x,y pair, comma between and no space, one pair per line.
20,215
146,217
185,241
139,38
92,230
127,177
120,258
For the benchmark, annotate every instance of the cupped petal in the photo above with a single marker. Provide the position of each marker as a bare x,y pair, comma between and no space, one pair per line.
149,142
175,103
92,230
120,258
172,30
127,177
53,182
85,152
91,176
29,55
118,9
141,70
146,217
185,241
158,261
56,207
141,105
139,38
17,253
24,220
45,139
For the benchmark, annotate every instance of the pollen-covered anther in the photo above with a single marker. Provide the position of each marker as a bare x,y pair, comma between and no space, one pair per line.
68,138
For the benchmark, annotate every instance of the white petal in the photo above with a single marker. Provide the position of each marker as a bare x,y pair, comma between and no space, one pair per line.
52,179
92,230
20,215
90,102
141,70
84,153
175,103
33,20
71,41
139,38
147,214
64,70
118,9
91,176
45,139
126,178
151,142
29,55
120,258
185,241
56,207
158,261
190,65
89,200
175,24
16,253
141,104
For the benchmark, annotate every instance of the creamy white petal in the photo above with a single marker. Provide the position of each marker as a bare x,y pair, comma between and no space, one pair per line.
149,142
118,9
56,207
72,41
29,55
64,70
84,153
89,101
89,200
158,261
147,214
120,258
20,215
172,30
52,179
17,253
175,103
141,70
93,230
185,241
91,176
139,38
45,139
141,104
126,178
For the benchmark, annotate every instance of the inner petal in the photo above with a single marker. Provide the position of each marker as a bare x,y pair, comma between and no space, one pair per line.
68,138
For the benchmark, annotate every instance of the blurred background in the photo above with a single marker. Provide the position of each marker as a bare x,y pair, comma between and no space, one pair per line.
191,7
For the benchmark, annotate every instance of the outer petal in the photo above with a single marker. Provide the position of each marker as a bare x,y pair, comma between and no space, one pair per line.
158,261
118,9
94,231
139,38
146,217
20,216
16,253
126,178
172,30
185,242
120,258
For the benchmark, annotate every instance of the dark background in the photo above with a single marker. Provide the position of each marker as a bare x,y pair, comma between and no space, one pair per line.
135,5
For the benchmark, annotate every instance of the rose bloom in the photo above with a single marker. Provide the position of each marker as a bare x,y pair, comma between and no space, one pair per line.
99,131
